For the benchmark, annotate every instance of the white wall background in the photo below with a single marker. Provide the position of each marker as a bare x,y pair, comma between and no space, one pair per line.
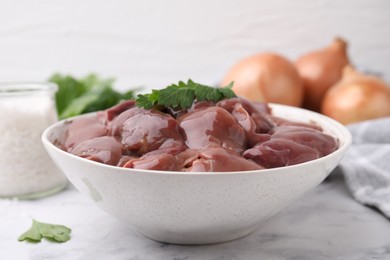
154,43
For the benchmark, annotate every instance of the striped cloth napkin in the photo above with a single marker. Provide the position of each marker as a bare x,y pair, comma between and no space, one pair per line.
366,164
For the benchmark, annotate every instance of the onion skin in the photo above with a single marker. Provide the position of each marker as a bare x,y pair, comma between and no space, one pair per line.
320,70
357,97
266,77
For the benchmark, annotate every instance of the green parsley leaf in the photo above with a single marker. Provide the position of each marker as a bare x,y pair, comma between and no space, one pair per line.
182,95
227,91
176,96
148,101
144,101
84,95
203,93
40,230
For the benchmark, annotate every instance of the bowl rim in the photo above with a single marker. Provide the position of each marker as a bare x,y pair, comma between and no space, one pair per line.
317,117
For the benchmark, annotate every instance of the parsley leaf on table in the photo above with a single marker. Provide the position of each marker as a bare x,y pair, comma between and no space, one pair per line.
40,230
182,95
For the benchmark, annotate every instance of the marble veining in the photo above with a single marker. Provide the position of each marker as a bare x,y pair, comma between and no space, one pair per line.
326,223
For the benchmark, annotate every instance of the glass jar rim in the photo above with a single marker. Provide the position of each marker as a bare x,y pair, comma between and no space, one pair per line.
26,88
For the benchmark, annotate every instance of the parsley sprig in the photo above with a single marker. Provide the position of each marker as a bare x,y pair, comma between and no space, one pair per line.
182,95
79,95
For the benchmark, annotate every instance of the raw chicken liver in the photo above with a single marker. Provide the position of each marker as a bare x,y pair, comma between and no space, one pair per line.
231,135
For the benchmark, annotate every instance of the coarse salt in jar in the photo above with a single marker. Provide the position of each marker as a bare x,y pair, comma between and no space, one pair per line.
26,170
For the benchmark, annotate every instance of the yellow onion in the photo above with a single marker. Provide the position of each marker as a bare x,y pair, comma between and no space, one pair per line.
357,97
321,69
266,77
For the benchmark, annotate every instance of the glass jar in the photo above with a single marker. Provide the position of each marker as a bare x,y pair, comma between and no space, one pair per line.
26,170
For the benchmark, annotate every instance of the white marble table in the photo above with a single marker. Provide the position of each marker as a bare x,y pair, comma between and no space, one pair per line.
324,224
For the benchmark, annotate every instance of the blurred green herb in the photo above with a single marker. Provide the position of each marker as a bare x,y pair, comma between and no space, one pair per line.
183,95
39,230
84,95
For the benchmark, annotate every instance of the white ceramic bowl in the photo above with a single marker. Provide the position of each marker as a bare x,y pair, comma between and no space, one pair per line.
198,208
